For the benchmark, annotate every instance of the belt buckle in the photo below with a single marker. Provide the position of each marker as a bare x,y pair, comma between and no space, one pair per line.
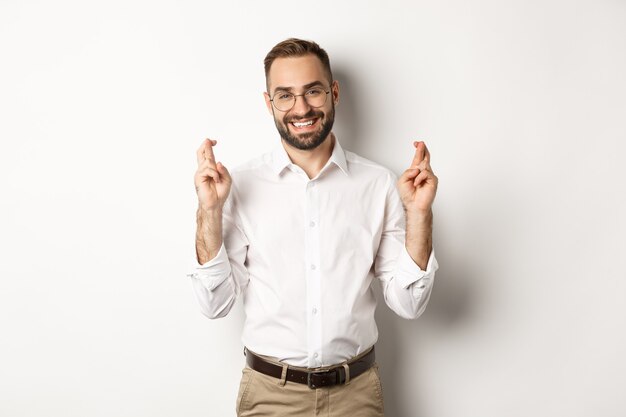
309,381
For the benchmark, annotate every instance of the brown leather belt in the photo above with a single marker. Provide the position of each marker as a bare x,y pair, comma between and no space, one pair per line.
320,378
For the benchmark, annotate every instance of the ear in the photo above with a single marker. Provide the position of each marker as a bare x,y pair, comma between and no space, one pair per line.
335,92
268,103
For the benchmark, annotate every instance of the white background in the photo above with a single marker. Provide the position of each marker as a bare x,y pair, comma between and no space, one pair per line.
522,104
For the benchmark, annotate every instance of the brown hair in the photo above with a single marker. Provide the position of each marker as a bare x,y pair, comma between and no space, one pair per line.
293,47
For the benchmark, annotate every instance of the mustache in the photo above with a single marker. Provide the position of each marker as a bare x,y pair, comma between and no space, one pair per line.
309,115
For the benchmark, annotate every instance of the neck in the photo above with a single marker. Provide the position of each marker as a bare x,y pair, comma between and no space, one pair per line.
313,160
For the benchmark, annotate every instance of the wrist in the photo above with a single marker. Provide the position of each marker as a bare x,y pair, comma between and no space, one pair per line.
208,212
419,217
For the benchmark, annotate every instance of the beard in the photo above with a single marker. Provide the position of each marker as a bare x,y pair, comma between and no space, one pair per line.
309,140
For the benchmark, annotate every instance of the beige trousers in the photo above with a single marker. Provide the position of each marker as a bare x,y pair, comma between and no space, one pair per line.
261,395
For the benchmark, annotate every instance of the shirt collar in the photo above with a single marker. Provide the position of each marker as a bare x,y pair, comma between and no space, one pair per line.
280,159
338,157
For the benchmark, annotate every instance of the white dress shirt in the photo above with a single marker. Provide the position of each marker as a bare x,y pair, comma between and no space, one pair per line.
303,252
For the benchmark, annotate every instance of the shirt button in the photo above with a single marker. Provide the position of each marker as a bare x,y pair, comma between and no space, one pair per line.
313,267
312,224
315,355
314,310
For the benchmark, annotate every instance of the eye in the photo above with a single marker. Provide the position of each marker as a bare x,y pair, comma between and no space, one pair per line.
283,96
314,92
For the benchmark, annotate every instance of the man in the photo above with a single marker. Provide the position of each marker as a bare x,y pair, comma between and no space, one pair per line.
300,233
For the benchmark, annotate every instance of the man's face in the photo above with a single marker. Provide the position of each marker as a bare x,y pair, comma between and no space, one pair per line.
303,127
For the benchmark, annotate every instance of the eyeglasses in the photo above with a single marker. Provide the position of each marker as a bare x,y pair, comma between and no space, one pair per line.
314,97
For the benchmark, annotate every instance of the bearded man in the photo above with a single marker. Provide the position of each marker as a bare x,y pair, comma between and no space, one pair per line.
300,233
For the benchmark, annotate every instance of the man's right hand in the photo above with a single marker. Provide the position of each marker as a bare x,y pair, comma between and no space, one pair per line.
212,179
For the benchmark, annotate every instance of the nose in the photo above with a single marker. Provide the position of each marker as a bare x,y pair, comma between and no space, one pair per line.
300,106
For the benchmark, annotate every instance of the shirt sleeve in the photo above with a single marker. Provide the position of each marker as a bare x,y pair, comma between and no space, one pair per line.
406,287
218,283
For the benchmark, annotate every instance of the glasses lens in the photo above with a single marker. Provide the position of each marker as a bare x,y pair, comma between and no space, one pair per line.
284,101
316,97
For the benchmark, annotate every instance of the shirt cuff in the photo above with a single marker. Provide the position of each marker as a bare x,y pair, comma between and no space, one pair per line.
213,272
408,272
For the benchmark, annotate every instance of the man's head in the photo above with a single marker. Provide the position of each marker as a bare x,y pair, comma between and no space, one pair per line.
293,48
301,93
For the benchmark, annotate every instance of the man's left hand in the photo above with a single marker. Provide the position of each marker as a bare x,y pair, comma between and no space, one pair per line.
418,184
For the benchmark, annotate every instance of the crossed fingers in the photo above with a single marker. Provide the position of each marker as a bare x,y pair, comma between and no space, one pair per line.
205,151
420,169
421,159
206,160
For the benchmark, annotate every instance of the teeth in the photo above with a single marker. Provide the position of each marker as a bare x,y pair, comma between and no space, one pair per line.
298,124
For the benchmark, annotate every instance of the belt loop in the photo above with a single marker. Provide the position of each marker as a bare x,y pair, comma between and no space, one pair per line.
346,368
283,376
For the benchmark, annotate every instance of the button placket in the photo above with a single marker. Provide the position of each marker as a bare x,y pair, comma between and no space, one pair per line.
313,282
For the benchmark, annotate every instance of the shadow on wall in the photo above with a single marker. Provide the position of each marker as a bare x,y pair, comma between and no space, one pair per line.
399,340
347,120
450,301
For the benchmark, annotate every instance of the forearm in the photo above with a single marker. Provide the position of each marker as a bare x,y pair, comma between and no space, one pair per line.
221,275
208,234
419,236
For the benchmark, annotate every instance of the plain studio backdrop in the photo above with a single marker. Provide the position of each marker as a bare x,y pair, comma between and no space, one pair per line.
522,104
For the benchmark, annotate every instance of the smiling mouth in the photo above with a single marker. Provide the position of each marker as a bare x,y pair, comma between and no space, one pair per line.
303,124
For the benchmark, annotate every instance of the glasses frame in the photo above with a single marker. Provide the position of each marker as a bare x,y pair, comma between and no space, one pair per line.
303,98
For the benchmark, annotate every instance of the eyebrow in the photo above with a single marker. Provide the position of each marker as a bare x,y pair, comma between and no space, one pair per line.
305,87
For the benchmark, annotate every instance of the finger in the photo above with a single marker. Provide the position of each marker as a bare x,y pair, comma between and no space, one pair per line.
200,153
207,163
426,154
209,172
419,153
208,150
426,177
408,175
223,172
424,166
423,176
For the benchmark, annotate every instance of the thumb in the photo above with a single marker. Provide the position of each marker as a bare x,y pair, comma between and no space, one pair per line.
408,175
223,171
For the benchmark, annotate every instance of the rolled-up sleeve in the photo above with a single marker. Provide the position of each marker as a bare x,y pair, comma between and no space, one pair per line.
218,282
